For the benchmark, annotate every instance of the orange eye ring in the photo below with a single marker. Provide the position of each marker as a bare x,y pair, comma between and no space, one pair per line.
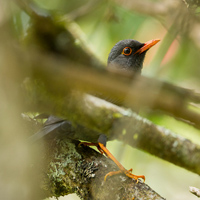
127,51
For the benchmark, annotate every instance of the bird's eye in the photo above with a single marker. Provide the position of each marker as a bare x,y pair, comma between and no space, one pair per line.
127,51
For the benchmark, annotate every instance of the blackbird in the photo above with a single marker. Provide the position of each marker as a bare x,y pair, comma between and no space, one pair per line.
126,56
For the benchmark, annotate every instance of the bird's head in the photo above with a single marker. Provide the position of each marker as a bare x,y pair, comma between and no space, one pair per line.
129,55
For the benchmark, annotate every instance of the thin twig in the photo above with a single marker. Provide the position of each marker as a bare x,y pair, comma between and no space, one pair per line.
195,191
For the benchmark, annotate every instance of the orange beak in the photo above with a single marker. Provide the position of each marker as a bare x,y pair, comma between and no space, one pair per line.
147,46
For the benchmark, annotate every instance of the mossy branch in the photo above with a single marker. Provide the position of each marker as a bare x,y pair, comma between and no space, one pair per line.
81,170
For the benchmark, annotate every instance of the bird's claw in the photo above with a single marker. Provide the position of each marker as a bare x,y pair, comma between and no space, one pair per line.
127,173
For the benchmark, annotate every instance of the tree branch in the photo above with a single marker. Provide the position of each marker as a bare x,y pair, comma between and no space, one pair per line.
131,129
148,7
143,91
81,169
195,191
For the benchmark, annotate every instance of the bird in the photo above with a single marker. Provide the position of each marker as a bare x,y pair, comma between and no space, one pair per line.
128,55
125,56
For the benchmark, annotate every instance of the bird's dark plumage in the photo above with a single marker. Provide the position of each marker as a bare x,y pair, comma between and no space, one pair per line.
132,62
128,55
53,127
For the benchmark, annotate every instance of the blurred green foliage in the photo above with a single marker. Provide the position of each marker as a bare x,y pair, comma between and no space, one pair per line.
176,59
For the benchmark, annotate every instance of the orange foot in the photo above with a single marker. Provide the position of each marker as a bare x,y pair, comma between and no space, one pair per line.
127,173
101,146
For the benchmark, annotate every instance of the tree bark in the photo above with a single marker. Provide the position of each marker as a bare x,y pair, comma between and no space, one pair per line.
71,168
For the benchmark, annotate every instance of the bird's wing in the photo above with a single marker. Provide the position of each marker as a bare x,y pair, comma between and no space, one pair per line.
53,127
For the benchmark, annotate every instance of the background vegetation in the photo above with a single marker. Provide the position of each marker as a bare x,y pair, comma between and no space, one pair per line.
100,24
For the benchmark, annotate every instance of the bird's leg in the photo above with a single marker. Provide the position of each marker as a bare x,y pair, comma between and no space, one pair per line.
122,169
92,144
101,145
